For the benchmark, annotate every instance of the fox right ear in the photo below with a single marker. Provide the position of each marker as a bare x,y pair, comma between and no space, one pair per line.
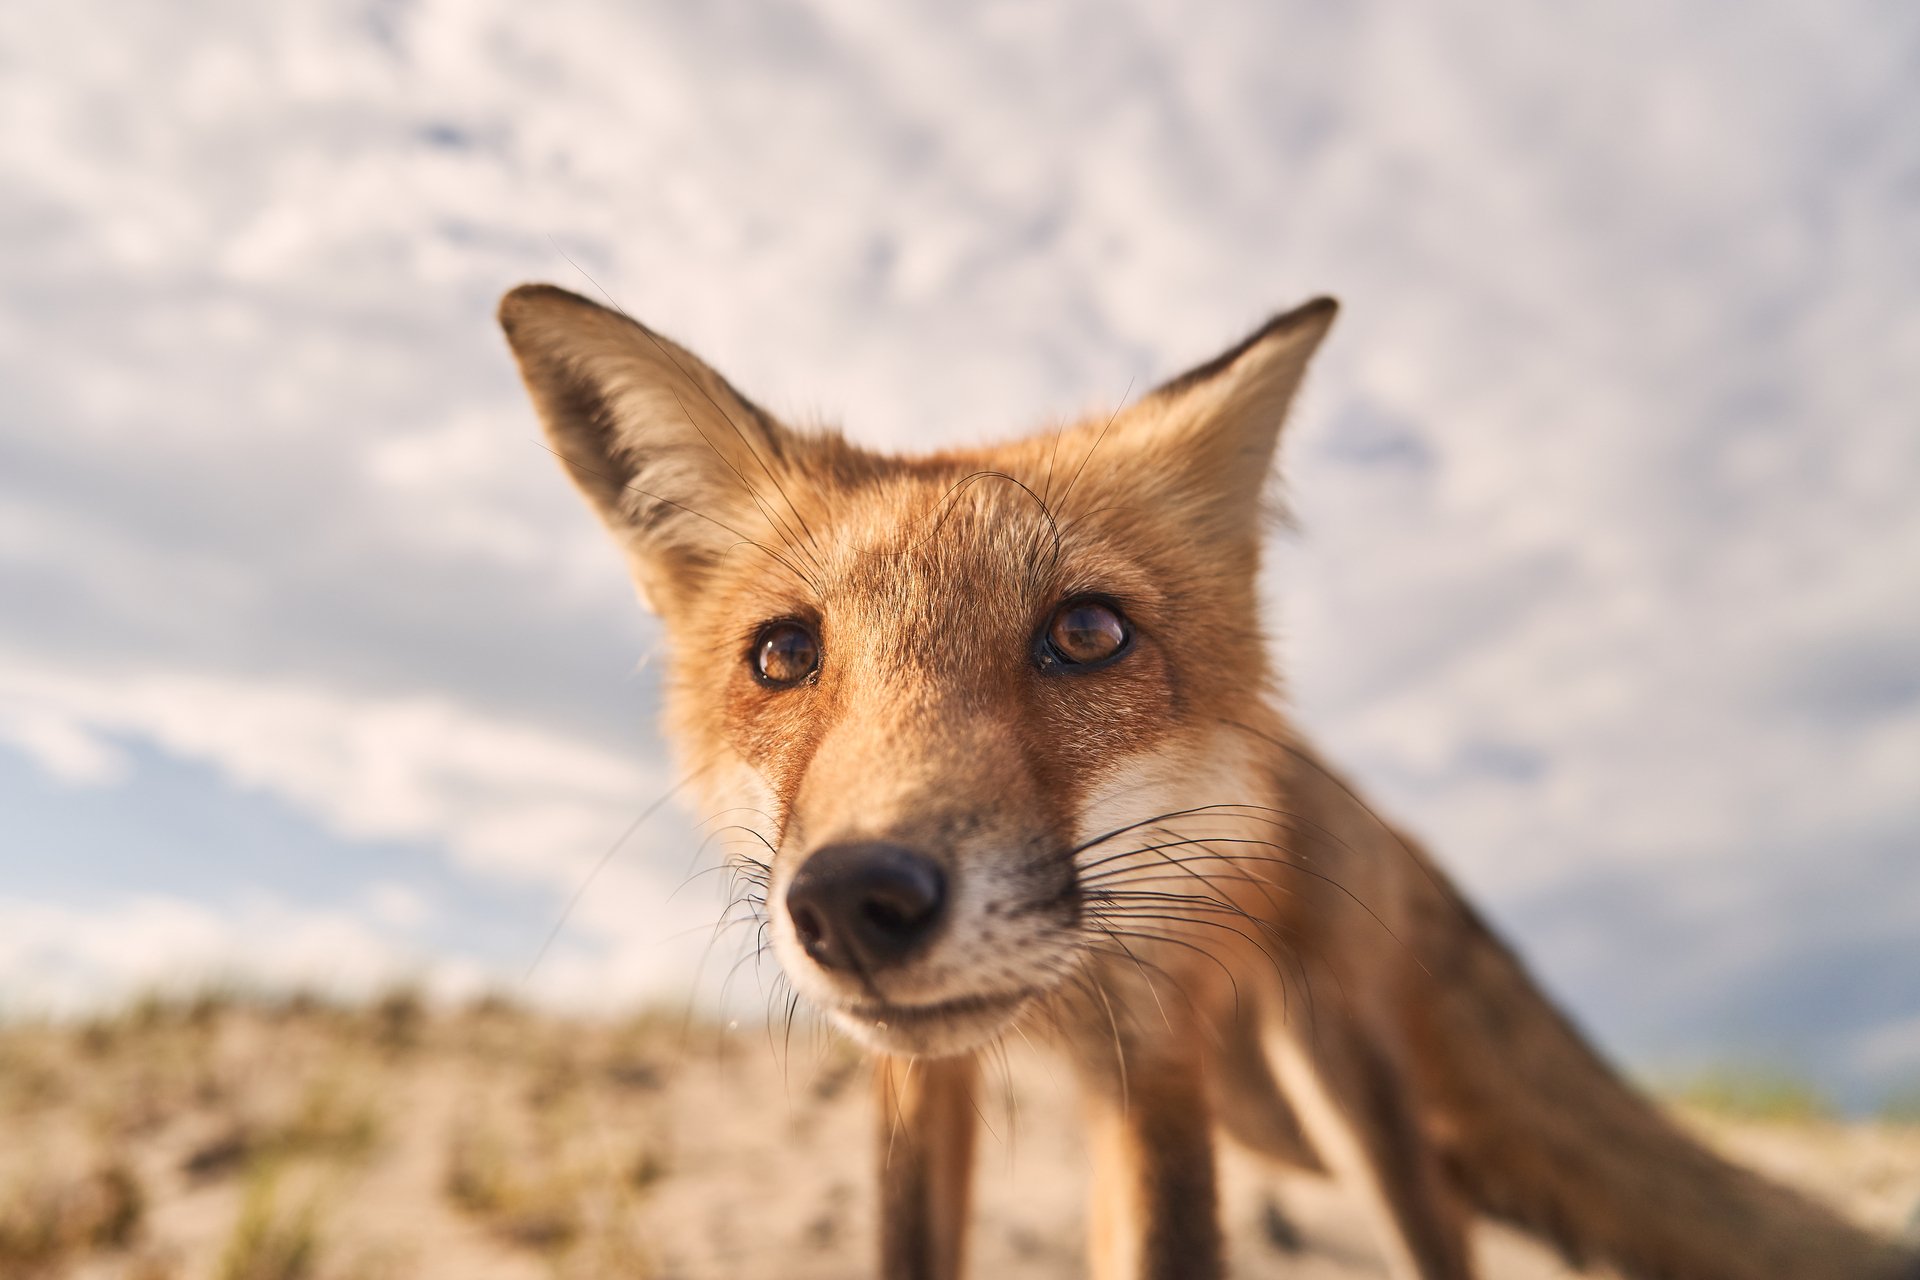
1213,430
669,455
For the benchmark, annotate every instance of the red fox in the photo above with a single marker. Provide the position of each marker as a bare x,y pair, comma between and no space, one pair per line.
1004,727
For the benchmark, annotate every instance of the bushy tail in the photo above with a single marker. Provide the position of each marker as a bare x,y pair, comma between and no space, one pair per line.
1547,1136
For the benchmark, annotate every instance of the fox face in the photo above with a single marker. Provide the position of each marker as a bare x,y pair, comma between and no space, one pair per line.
937,698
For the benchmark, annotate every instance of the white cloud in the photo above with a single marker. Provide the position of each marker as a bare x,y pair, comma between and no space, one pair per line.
63,960
463,471
1890,1051
504,799
398,905
1608,476
61,747
505,802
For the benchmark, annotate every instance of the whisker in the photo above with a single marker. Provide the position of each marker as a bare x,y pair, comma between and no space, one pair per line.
697,385
769,552
774,520
600,865
1224,809
1088,456
1151,989
1292,866
1119,1053
1117,934
1303,757
949,501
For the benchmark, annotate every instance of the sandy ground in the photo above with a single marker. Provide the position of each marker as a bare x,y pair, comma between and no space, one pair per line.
241,1142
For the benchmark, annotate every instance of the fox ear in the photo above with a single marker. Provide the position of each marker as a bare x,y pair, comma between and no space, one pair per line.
1215,427
669,455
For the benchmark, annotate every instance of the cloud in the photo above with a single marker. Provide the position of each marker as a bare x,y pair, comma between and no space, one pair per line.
62,960
1607,477
1890,1051
60,746
398,905
629,913
504,799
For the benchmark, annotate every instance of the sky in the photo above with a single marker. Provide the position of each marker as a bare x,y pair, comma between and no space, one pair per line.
1606,574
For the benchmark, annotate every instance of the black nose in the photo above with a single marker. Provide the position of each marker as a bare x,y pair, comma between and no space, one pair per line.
866,906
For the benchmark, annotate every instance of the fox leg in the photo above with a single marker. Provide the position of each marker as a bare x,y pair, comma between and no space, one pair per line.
927,1127
1153,1213
1249,1103
1355,1105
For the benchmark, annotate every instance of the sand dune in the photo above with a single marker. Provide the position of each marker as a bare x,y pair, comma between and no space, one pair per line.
292,1140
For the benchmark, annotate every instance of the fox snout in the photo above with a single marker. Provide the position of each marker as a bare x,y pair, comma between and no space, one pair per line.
926,941
863,907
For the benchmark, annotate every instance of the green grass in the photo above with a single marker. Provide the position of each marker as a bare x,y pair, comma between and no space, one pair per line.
1766,1095
523,1196
271,1241
330,1120
1902,1105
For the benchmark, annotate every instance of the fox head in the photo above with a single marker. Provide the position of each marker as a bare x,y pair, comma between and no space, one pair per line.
931,687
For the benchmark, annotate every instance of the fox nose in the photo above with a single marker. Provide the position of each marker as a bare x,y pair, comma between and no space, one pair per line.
866,905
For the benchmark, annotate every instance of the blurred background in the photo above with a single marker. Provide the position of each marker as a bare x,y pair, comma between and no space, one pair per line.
315,674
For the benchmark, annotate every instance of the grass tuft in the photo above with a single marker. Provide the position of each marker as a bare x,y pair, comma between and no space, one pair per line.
1763,1095
270,1241
398,1019
529,1202
46,1223
328,1121
1902,1107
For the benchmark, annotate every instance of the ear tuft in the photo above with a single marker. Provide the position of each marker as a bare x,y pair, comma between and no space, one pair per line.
671,457
1214,429
526,302
1300,329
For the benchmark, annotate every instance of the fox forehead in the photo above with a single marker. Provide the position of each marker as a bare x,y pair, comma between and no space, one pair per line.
948,563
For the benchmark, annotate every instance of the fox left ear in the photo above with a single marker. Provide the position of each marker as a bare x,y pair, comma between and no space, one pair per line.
1215,427
680,467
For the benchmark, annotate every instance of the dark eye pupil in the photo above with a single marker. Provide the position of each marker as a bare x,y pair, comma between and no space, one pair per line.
1087,632
787,654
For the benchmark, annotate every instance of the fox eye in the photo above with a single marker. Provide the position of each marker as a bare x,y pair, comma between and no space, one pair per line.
1083,634
785,653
